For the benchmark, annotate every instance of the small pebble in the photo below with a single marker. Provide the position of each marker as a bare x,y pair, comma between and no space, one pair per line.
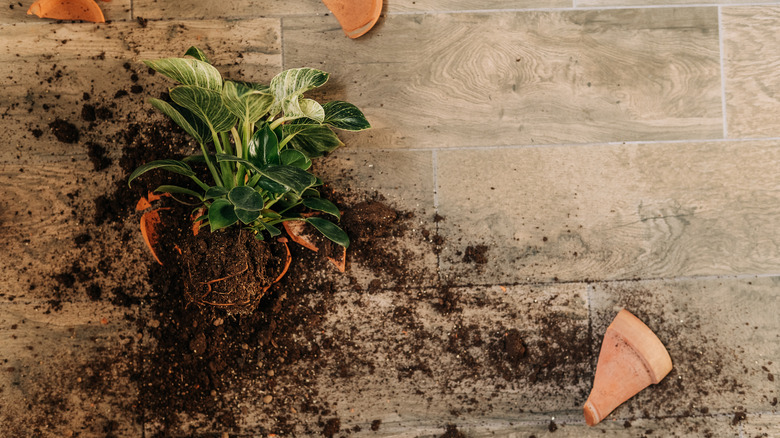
153,323
267,399
270,373
218,322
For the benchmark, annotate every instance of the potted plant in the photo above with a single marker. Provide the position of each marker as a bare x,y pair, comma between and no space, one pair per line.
253,173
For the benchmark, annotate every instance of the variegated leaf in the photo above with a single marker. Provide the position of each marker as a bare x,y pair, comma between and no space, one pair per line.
289,85
184,118
312,139
344,115
188,72
206,104
246,103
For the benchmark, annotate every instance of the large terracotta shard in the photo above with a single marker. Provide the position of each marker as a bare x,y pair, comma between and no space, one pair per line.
356,17
80,10
631,358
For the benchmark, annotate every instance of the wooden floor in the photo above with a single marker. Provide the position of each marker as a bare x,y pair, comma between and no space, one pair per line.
610,153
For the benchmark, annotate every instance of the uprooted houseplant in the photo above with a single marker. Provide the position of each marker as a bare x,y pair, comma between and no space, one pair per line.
257,142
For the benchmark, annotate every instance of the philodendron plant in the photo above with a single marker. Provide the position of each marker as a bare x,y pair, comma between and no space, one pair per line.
257,142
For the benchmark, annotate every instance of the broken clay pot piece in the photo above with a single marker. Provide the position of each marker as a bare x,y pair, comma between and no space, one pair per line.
631,358
303,235
356,17
78,10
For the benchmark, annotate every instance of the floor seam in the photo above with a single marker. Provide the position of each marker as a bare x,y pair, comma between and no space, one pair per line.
722,73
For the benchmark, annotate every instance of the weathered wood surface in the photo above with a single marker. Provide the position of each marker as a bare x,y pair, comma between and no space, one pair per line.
611,212
57,371
161,9
481,79
752,68
486,81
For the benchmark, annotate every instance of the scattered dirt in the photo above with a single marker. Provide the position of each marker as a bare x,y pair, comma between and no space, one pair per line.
451,431
476,254
64,131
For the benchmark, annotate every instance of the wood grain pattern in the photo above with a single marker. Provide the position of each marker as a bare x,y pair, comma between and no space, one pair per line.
243,9
722,335
751,36
451,376
54,377
611,212
529,78
161,9
640,3
15,11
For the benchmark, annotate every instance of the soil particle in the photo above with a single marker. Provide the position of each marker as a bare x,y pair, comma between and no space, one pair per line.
64,131
626,424
739,416
88,113
332,427
552,427
476,254
513,346
37,133
97,155
375,425
451,431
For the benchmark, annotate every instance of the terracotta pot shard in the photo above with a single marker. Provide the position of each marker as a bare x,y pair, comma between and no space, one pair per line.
81,10
299,234
150,223
631,358
356,17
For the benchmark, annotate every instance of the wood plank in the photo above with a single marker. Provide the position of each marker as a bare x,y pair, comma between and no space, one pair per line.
16,12
751,36
65,373
404,181
722,335
47,80
640,3
530,77
157,9
401,359
761,425
610,212
241,9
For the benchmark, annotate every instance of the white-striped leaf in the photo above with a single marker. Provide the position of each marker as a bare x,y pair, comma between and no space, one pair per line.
189,72
185,119
206,104
289,85
246,103
344,115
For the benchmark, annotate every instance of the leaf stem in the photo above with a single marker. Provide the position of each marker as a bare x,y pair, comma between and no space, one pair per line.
210,165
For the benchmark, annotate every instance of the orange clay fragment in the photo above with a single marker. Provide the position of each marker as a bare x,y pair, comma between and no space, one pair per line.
149,223
356,17
82,10
300,235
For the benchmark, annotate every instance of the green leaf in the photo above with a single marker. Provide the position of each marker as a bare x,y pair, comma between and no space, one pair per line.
292,178
206,104
247,216
216,192
313,140
179,190
170,165
323,205
185,119
329,230
271,214
189,72
197,54
246,103
272,187
311,193
246,198
272,230
291,157
221,214
289,85
344,115
263,147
